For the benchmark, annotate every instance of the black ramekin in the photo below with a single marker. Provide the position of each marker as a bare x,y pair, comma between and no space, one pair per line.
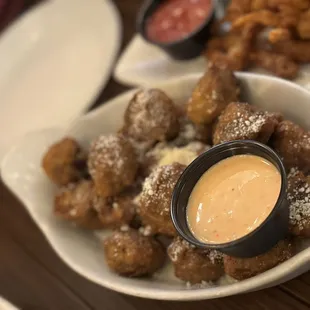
265,236
186,48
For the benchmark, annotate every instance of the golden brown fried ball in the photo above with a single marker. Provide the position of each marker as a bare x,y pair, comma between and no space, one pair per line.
214,91
243,268
64,162
155,199
299,203
241,121
165,154
117,211
75,203
112,164
131,254
293,145
151,116
195,265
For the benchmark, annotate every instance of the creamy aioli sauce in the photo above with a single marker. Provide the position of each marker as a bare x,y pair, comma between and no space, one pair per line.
233,198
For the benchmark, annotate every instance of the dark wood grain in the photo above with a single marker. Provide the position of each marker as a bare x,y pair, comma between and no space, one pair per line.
33,277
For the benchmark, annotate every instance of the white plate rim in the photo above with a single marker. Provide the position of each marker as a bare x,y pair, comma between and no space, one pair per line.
276,275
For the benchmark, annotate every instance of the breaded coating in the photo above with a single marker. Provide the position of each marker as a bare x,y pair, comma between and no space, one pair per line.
195,265
131,254
112,164
279,35
64,162
152,116
263,17
275,63
214,91
74,203
299,203
241,121
232,51
115,212
294,49
303,26
292,143
296,4
237,8
288,16
155,199
257,5
244,268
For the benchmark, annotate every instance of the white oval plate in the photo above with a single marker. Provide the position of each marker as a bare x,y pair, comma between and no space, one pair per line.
54,60
22,173
5,305
144,64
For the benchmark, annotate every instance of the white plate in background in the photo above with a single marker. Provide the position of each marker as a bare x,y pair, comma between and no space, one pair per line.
5,305
54,60
82,251
144,64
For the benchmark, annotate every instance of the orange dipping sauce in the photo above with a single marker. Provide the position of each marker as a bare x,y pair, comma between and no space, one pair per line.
176,19
233,198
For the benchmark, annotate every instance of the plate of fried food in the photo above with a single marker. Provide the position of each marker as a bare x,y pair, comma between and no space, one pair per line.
101,191
262,36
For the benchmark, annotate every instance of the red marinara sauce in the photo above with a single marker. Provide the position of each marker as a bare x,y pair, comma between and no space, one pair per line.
176,19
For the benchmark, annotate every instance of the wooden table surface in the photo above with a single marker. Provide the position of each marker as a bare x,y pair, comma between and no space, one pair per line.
33,277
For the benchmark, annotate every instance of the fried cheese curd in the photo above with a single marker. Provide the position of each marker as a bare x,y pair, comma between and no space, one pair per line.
244,268
298,198
151,116
195,265
74,203
155,198
117,211
79,203
64,162
214,91
112,164
241,121
292,143
131,254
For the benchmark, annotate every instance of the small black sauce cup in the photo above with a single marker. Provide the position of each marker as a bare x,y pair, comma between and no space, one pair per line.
260,240
186,48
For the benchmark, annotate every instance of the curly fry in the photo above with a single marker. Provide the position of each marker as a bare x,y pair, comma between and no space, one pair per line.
283,42
298,4
288,16
259,5
223,43
277,64
294,49
303,26
263,17
237,8
279,34
232,52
